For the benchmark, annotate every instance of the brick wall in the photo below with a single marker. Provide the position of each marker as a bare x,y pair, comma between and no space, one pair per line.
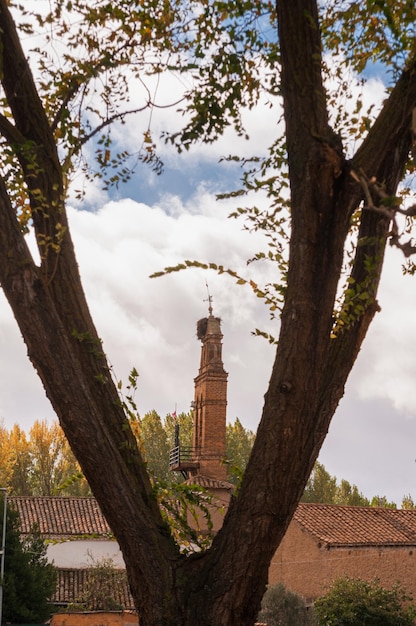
308,568
95,618
210,404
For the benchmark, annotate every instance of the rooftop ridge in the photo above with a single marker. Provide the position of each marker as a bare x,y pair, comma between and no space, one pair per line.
341,525
61,516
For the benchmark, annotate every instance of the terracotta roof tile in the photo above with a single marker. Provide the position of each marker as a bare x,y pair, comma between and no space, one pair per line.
358,526
209,483
59,516
71,583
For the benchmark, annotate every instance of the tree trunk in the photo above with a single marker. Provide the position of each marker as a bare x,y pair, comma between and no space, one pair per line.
224,586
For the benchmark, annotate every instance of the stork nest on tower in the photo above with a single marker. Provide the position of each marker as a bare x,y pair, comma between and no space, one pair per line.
201,328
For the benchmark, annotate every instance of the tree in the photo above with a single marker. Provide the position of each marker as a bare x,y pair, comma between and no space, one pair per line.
6,456
282,607
156,438
154,446
53,467
354,601
101,586
321,486
232,58
42,464
186,425
348,494
46,445
29,580
382,501
238,445
324,488
19,484
407,502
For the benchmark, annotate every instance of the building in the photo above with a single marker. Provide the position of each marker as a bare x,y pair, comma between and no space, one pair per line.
76,531
203,464
78,537
326,542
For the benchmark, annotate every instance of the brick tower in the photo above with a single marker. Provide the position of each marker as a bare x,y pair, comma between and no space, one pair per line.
210,402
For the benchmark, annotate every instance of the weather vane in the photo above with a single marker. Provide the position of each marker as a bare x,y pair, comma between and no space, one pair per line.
209,299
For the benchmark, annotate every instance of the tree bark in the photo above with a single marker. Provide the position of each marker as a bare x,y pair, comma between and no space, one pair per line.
224,586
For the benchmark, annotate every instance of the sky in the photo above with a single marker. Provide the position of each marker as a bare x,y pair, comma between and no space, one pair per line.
123,236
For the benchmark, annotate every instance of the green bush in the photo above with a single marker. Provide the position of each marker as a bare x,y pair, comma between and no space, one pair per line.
356,602
281,607
29,580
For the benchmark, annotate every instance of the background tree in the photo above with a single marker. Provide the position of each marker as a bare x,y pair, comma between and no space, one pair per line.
186,426
54,469
355,601
238,445
100,590
324,488
382,501
46,445
41,464
7,457
321,486
348,494
408,502
29,580
282,607
154,446
20,483
339,203
156,438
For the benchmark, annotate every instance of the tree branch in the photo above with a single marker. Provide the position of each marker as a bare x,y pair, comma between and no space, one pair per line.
10,132
387,210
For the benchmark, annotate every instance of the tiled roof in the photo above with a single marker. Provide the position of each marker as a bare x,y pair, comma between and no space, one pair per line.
209,483
59,516
329,524
357,526
71,583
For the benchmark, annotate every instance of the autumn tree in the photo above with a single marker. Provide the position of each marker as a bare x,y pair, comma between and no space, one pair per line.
47,444
40,463
343,173
20,483
7,457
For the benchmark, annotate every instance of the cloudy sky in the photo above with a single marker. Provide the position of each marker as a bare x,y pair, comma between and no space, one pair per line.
123,236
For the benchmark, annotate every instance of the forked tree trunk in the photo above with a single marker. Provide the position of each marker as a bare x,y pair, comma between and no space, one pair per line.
224,586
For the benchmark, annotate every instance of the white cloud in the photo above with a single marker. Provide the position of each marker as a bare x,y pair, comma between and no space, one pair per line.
388,370
150,323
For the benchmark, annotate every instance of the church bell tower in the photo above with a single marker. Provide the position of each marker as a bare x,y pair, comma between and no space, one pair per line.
210,401
206,458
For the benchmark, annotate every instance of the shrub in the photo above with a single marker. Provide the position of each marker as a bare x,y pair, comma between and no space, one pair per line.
356,602
29,580
281,607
